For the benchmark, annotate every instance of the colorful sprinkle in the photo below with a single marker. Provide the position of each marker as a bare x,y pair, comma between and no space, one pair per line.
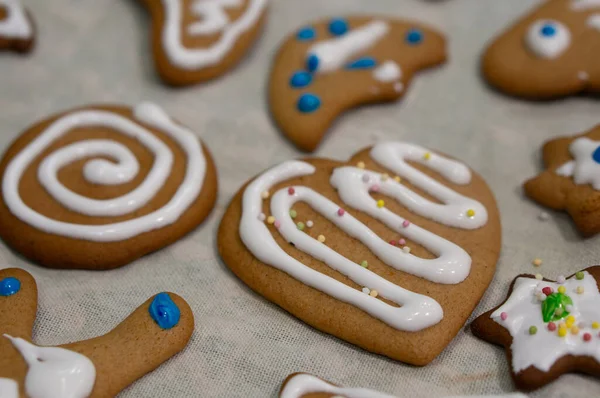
9,286
364,264
595,325
264,194
300,79
306,33
393,242
308,103
587,337
341,212
321,238
503,316
539,277
375,188
414,36
338,26
547,290
380,203
541,296
552,326
405,223
310,224
270,219
574,329
532,330
300,226
291,191
580,275
406,249
385,177
401,242
558,312
397,179
360,165
427,155
293,213
312,63
470,213
262,217
570,321
537,262
561,279
374,293
562,331
580,289
596,155
366,290
366,178
362,63
277,223
562,289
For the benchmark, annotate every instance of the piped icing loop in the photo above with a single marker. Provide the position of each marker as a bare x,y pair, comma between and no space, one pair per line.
585,166
9,286
415,311
164,311
103,172
16,25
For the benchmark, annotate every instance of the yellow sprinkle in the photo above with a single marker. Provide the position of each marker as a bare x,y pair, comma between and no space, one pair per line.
270,219
374,293
562,289
595,325
397,179
427,156
470,213
574,330
384,177
580,290
264,194
360,165
537,262
321,238
562,332
570,321
380,203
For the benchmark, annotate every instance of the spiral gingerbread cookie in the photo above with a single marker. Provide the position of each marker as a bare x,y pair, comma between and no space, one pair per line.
98,187
571,181
548,328
198,40
16,27
330,66
390,251
98,367
551,52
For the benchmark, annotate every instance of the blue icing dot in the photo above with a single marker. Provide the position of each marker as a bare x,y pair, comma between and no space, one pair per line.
338,26
312,63
308,103
300,79
307,33
164,311
362,63
548,30
596,155
9,286
414,36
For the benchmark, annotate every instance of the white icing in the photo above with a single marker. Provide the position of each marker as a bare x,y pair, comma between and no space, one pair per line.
389,71
583,168
55,372
104,172
334,53
583,5
544,348
303,384
451,266
16,24
548,47
215,20
8,388
594,21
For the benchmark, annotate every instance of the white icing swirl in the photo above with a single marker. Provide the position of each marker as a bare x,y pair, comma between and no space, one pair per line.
104,172
16,25
548,38
213,17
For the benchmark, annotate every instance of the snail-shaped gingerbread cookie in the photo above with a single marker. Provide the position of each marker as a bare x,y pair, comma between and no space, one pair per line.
17,31
95,368
552,52
330,66
100,186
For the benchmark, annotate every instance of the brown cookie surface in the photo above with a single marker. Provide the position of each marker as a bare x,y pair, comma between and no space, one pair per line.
17,30
98,187
571,180
196,40
394,261
547,328
98,367
552,52
330,66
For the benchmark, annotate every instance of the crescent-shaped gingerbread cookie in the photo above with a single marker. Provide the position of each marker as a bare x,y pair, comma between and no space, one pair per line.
100,186
571,180
390,251
552,52
198,40
17,31
98,367
330,66
548,328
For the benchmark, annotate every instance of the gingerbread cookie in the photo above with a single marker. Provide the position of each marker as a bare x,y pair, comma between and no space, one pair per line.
571,180
198,40
98,367
98,187
330,66
550,53
547,328
16,27
303,385
361,251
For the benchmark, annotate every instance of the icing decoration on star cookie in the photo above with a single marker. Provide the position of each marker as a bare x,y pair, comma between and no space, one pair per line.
96,367
16,27
403,308
547,326
198,40
364,55
106,217
571,180
548,52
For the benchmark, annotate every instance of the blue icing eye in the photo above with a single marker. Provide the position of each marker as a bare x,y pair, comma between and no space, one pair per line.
414,36
362,63
300,79
307,33
596,155
308,103
9,286
548,30
338,26
164,311
312,63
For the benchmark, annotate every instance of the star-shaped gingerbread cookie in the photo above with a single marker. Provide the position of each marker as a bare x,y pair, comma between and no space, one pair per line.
571,180
98,367
548,328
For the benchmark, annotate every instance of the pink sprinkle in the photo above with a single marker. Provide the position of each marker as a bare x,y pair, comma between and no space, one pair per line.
341,212
401,242
552,326
503,316
291,191
393,242
375,188
587,337
277,223
547,290
406,223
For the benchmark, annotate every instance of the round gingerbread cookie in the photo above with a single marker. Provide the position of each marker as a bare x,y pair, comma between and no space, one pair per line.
100,186
17,30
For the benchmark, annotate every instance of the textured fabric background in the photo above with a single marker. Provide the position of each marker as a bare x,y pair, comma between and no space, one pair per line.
92,51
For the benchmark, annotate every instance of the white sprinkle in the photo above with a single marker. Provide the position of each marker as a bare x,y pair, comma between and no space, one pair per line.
265,194
366,290
309,224
544,216
541,297
406,249
262,217
539,277
561,279
569,308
